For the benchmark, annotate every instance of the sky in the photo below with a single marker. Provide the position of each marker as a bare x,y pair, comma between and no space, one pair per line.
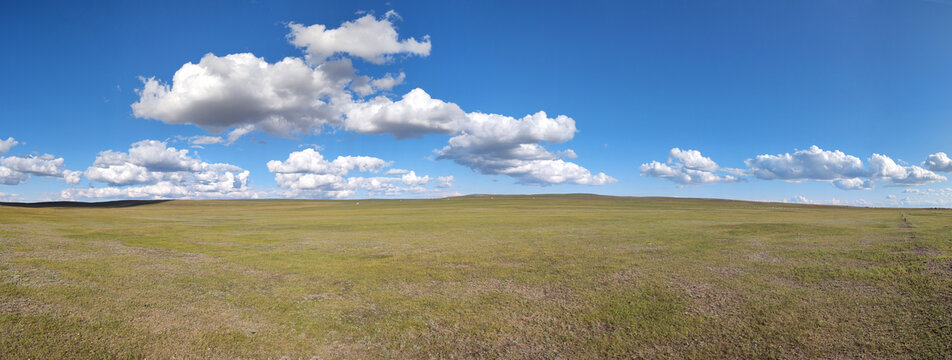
844,102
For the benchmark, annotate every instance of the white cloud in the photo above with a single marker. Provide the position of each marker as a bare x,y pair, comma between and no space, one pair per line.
160,171
692,159
44,165
854,184
843,171
885,168
242,90
10,177
16,170
7,196
122,173
926,197
555,171
497,144
204,140
307,174
811,164
72,177
374,40
799,199
938,162
657,169
445,181
148,161
387,82
411,178
238,132
834,201
686,167
414,115
567,154
365,85
311,161
6,145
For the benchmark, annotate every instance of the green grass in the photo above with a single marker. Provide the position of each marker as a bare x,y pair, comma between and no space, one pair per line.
546,276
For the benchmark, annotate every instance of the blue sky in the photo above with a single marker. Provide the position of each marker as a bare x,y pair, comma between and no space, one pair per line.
742,90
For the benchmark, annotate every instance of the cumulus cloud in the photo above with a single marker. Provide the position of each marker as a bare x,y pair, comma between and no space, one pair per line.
365,85
372,39
6,145
10,177
497,144
241,93
311,161
44,165
567,154
487,143
241,90
938,162
844,171
885,168
415,115
810,164
853,184
307,174
692,159
152,169
687,167
15,170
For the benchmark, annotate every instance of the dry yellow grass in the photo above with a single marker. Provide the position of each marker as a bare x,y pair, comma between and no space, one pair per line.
546,276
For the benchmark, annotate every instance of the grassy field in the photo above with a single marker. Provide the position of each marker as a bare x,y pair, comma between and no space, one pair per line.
558,276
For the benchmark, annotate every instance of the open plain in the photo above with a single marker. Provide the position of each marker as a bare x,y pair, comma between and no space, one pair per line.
546,276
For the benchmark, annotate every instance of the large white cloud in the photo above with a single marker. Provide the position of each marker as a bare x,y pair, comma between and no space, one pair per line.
372,39
885,168
687,167
810,164
306,173
238,90
497,144
938,162
415,115
6,145
160,171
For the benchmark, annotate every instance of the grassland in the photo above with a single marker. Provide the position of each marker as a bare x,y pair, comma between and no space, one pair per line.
570,276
